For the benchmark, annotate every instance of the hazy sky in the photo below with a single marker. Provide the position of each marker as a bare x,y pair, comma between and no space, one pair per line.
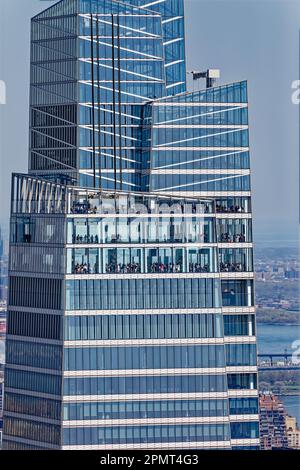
256,40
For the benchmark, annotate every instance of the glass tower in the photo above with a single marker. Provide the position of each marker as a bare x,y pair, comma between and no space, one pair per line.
131,320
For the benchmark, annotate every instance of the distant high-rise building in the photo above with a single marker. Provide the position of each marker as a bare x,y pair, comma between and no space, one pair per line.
3,270
292,274
273,429
293,432
131,320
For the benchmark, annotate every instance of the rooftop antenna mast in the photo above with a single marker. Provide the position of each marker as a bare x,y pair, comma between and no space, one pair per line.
211,76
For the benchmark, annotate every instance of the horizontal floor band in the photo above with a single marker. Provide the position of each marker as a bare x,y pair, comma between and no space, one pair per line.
142,311
170,372
145,421
245,442
144,396
31,393
160,341
242,393
153,421
144,276
243,418
161,446
43,445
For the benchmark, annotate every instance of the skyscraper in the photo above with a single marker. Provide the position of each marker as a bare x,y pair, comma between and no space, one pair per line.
273,427
293,432
131,318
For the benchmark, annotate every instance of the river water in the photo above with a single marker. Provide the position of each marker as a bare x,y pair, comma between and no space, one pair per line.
278,339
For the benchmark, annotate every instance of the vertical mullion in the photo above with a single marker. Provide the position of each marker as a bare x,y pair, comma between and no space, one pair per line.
120,103
93,101
114,101
98,99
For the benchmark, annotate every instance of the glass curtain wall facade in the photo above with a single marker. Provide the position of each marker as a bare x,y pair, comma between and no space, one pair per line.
131,319
118,341
199,146
93,66
172,19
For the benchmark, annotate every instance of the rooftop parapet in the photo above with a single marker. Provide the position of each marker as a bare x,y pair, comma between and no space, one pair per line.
32,195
